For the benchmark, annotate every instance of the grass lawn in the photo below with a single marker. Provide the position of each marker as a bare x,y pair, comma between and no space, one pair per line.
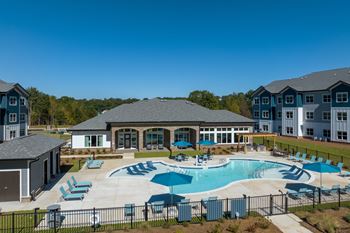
158,154
23,220
53,135
71,165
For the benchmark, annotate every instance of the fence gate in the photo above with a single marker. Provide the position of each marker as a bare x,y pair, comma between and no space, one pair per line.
267,205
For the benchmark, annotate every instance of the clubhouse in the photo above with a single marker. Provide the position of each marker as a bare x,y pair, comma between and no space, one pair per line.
156,124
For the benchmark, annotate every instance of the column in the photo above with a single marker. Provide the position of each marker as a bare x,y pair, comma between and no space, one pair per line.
140,139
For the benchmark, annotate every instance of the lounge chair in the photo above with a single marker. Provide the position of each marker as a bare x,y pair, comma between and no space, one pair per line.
73,189
346,189
136,170
81,183
340,165
328,162
206,200
150,165
210,156
184,212
292,157
157,207
142,167
295,195
205,157
184,201
131,172
319,159
345,174
297,157
326,191
303,158
94,164
179,158
313,159
160,147
335,189
129,210
69,196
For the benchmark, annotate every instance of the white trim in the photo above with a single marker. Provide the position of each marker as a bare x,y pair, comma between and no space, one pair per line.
20,180
13,97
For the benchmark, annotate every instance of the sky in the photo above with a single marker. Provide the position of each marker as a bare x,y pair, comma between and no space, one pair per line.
166,48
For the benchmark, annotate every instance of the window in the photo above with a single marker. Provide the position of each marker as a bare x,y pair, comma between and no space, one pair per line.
342,97
309,115
22,117
342,135
289,115
13,101
326,98
279,129
94,141
342,116
224,138
265,128
22,101
289,130
326,133
256,114
289,99
279,115
310,132
256,100
279,99
265,100
326,116
309,99
12,117
265,114
12,134
22,132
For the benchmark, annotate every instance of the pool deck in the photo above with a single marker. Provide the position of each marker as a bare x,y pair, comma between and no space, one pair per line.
117,191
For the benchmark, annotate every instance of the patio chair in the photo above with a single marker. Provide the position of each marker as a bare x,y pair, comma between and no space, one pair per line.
94,164
69,196
340,165
326,191
184,212
313,159
136,170
73,189
131,172
295,195
335,188
157,207
345,190
148,147
80,183
345,174
150,165
328,162
303,158
129,210
297,157
179,158
319,159
143,168
205,157
214,210
292,157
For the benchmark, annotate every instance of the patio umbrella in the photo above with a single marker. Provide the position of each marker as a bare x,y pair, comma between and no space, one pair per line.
182,144
171,179
207,143
321,168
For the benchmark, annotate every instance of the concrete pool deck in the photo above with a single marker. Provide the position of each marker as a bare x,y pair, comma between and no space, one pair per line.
117,191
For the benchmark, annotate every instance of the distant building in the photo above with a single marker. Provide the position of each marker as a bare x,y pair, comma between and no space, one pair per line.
155,123
316,105
13,111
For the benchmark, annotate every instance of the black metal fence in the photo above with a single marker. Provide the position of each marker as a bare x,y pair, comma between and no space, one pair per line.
309,151
147,215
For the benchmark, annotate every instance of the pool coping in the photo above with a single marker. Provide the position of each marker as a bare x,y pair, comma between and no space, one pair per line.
310,180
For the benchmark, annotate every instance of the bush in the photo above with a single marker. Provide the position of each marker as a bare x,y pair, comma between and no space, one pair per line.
216,229
251,228
221,220
347,218
233,228
185,224
263,223
166,225
144,227
325,223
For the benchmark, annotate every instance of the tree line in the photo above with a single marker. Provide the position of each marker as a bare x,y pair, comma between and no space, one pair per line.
49,110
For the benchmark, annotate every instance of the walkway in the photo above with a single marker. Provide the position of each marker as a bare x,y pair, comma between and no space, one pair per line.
288,223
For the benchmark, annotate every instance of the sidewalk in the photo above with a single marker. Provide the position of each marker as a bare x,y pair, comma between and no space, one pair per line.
288,223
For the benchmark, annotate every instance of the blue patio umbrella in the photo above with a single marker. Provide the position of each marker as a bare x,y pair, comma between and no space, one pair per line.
182,144
171,179
321,168
206,143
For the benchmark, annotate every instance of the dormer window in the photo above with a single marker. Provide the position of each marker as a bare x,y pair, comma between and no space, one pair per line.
13,101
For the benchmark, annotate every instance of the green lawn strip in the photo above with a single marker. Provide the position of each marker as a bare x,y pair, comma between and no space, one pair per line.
73,166
164,154
53,134
309,208
23,220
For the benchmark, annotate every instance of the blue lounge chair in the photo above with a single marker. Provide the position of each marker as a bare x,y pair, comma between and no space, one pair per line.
69,196
94,164
131,172
150,165
335,189
313,159
157,207
295,195
72,189
185,201
184,212
293,157
345,174
328,162
179,158
340,165
319,159
81,183
205,157
346,189
135,169
129,210
142,167
297,157
303,158
326,191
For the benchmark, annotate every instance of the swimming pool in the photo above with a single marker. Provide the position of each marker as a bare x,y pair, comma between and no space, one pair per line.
211,178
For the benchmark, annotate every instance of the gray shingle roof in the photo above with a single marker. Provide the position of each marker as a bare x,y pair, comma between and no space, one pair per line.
316,81
6,87
160,111
28,147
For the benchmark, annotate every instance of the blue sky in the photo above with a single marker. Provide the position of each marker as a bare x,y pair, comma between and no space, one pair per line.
139,48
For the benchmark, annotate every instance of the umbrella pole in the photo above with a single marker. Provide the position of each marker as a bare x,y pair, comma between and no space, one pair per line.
171,195
321,180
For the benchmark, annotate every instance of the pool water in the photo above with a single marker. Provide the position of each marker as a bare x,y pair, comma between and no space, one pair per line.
207,179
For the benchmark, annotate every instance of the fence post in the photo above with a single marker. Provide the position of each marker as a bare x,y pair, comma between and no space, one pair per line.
297,148
167,212
313,199
319,195
201,211
339,197
94,214
13,222
146,211
271,204
306,150
131,218
54,221
342,158
328,156
286,203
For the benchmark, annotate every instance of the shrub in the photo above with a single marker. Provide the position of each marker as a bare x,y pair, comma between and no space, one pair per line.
166,225
233,228
325,223
251,227
178,231
347,218
109,229
144,227
216,229
185,224
221,220
263,223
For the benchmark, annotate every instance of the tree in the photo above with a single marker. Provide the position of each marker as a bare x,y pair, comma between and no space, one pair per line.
205,99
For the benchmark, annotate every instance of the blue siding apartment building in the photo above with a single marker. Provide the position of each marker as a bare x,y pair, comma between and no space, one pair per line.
13,111
316,105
